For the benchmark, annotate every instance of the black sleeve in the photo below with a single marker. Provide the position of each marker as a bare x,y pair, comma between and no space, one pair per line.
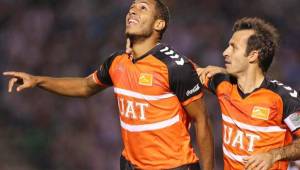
291,107
103,71
216,80
184,81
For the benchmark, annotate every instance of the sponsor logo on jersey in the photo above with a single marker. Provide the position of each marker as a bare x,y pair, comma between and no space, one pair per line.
260,113
194,90
146,79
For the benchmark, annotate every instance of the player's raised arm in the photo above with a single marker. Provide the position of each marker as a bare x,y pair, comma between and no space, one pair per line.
75,87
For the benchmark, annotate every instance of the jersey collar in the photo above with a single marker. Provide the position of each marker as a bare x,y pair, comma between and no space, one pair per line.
264,84
152,51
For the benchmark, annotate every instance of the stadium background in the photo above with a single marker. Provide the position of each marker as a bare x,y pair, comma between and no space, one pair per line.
42,131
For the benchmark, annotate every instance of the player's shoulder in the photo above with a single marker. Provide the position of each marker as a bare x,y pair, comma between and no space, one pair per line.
113,56
283,90
170,56
119,53
227,80
111,59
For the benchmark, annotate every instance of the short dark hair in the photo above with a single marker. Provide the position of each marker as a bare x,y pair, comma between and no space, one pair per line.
162,13
265,39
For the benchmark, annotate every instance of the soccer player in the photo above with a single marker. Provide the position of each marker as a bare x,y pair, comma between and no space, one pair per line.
260,116
158,93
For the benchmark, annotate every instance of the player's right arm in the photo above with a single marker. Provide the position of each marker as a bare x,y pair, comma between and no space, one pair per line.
67,86
74,87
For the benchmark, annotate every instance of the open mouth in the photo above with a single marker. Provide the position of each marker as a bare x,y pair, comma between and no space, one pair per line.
132,21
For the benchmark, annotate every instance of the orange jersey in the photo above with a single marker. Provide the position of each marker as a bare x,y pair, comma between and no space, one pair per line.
256,122
151,92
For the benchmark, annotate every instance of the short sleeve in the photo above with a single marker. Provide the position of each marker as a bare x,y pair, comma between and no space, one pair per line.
102,76
185,83
215,81
291,109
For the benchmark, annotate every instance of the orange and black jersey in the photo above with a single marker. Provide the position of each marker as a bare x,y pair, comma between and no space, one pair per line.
256,122
151,92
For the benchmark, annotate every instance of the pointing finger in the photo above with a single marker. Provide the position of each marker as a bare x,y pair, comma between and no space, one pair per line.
13,74
9,73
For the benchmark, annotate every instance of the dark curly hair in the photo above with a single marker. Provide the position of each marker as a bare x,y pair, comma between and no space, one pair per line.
265,39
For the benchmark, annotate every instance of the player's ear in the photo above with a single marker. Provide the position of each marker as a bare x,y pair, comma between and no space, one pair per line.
253,56
159,25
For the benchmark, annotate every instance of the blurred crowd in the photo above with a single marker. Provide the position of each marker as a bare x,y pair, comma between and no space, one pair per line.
42,131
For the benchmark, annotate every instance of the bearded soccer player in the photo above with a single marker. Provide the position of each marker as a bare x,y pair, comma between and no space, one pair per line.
260,116
158,93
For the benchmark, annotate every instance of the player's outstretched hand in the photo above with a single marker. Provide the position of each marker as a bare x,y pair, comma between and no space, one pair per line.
208,72
23,80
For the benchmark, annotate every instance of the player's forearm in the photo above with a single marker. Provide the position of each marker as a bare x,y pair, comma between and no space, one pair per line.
74,87
290,152
206,144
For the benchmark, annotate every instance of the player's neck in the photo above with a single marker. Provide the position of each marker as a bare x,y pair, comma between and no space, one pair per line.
250,80
142,46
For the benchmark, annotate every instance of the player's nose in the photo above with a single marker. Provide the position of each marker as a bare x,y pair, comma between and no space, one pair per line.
132,11
225,53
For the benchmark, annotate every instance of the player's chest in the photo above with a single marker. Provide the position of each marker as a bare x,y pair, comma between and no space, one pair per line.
145,77
257,107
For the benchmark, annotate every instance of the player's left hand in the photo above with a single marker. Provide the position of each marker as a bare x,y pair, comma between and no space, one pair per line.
261,161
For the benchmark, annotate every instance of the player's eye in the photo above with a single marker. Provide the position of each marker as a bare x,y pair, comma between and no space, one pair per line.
232,46
143,7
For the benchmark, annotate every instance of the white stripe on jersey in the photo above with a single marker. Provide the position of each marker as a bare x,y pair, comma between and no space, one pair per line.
142,96
149,127
251,127
233,156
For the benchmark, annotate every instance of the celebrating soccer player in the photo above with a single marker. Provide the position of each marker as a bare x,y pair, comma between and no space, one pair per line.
260,115
157,90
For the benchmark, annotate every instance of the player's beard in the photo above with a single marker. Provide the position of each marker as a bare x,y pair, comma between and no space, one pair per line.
134,37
